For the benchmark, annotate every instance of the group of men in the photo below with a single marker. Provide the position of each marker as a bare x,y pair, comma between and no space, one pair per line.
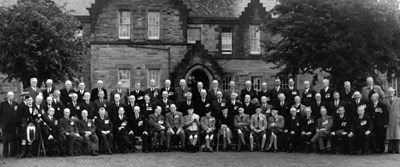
70,122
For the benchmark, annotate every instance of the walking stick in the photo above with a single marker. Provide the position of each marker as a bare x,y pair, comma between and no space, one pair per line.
41,143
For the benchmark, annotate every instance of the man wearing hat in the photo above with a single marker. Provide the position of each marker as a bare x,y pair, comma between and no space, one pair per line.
258,126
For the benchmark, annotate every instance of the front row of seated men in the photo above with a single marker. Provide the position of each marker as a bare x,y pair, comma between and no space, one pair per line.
70,136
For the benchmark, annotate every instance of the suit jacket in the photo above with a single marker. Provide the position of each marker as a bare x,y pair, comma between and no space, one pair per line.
50,127
202,107
171,93
139,96
146,109
94,94
207,122
212,93
180,94
154,94
164,106
308,124
84,126
217,107
341,124
249,109
332,110
104,124
378,113
80,95
174,121
325,123
251,92
183,106
196,94
275,93
352,107
266,109
308,98
244,120
74,109
137,128
266,93
47,93
300,110
90,109
279,122
233,108
9,116
113,110
33,93
118,122
291,93
316,108
68,126
59,109
192,123
64,96
97,104
225,120
155,122
327,96
360,125
367,92
258,122
293,124
122,94
346,96
283,110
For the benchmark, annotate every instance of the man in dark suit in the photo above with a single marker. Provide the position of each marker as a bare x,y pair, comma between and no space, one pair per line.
340,130
248,91
308,96
114,107
65,93
73,106
87,130
101,102
58,107
316,106
174,124
131,104
360,133
183,106
377,110
95,92
8,124
147,107
326,92
334,105
153,92
122,93
282,106
169,89
355,102
49,89
138,93
38,104
121,130
217,105
212,93
81,92
233,105
248,106
347,93
180,92
70,138
264,92
276,91
165,103
104,129
157,128
203,104
51,132
292,91
138,127
88,106
33,89
196,93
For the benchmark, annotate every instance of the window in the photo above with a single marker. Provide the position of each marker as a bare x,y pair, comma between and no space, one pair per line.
226,41
194,34
153,74
255,46
153,25
124,76
124,25
225,83
393,84
256,83
284,82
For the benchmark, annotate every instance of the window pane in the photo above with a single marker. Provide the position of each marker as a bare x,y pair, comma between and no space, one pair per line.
255,36
124,24
154,25
193,35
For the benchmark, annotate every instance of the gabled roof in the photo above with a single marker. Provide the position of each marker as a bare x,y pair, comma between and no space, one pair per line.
76,7
222,8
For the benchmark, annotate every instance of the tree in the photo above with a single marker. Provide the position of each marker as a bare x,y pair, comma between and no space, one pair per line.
38,39
349,39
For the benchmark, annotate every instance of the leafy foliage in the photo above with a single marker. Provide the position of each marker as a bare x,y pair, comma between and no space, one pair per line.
349,39
38,39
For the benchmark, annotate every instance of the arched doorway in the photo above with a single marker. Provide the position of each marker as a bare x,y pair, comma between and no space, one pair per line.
198,74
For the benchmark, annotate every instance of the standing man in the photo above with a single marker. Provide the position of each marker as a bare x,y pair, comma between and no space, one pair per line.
88,106
347,93
8,125
203,104
212,93
49,89
165,103
264,92
292,91
248,91
232,89
101,102
393,130
81,92
119,90
217,105
169,89
276,91
95,91
181,91
308,96
370,89
152,91
66,92
326,92
138,93
33,89
378,112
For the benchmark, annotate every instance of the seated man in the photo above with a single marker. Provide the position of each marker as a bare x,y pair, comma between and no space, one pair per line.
275,125
138,128
87,130
242,122
323,130
225,126
192,123
174,123
208,129
258,126
292,130
51,132
157,129
120,131
104,129
70,137
340,130
361,131
307,131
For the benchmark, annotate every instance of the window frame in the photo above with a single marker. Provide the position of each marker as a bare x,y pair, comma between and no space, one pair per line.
121,23
150,25
225,31
191,35
255,39
256,82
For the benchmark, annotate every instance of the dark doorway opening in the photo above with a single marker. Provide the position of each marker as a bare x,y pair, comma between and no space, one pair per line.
198,76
